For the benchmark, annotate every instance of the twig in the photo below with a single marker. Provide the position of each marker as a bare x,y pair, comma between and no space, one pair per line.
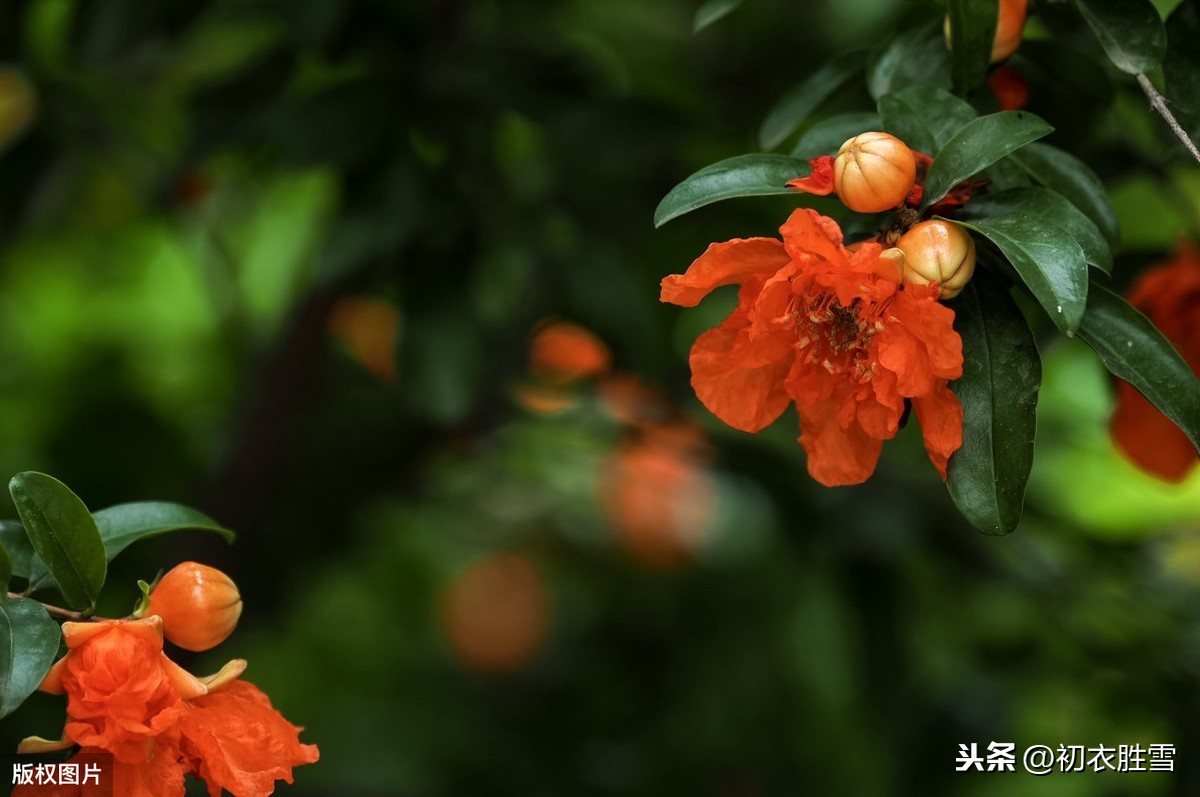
1159,103
57,612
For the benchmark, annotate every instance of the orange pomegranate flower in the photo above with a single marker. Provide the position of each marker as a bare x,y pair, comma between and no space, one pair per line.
833,331
1169,295
126,698
565,352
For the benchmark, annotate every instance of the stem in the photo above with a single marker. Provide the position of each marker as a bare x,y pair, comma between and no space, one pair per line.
57,612
1159,103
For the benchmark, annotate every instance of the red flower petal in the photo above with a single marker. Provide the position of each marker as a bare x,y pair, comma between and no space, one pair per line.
819,181
727,263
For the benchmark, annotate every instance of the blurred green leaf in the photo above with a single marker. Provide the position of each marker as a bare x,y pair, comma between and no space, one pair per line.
924,117
1074,179
1181,64
1133,349
1130,31
1002,373
827,136
972,30
124,524
63,534
796,106
1046,204
16,544
6,569
28,644
744,175
713,10
914,57
1049,261
979,144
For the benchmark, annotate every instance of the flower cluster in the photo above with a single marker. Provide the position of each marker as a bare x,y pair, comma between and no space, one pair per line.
833,330
1169,295
159,723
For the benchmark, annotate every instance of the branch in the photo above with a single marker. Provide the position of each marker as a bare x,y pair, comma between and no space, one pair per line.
57,612
1159,103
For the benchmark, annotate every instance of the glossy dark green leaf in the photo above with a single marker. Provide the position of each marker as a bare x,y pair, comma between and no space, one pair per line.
1071,177
1048,205
1130,31
745,175
1181,64
798,104
124,524
1002,373
713,10
63,534
972,30
827,135
28,644
979,144
924,117
1133,349
16,543
918,56
1061,67
1048,260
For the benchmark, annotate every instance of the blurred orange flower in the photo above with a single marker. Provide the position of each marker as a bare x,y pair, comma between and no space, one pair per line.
1010,88
126,698
369,329
564,352
657,494
833,331
495,614
1169,295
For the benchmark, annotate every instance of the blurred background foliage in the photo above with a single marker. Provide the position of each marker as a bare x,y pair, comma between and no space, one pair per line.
284,260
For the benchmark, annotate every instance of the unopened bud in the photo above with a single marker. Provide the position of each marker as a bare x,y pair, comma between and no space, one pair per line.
199,606
874,172
941,252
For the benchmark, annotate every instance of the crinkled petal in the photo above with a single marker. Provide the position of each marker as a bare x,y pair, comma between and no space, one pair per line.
819,181
941,417
737,383
1149,438
240,743
918,344
837,456
727,263
808,236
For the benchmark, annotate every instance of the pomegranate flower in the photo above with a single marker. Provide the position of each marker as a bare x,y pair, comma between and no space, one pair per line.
832,330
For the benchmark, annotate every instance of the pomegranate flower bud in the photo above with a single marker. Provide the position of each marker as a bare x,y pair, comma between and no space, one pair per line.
941,252
199,606
874,172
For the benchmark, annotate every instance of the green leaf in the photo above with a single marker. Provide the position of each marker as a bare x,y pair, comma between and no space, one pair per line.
1049,205
5,568
1133,349
124,524
63,534
827,136
914,57
745,175
1002,373
1056,65
1072,178
924,117
796,106
16,543
1181,65
28,644
1049,261
1130,31
972,31
979,144
712,11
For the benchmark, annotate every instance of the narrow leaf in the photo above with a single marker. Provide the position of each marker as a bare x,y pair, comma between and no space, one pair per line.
1048,260
712,11
1072,178
796,106
924,117
1133,349
827,135
124,524
63,534
972,30
28,644
1130,31
978,145
1049,205
1002,373
745,175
